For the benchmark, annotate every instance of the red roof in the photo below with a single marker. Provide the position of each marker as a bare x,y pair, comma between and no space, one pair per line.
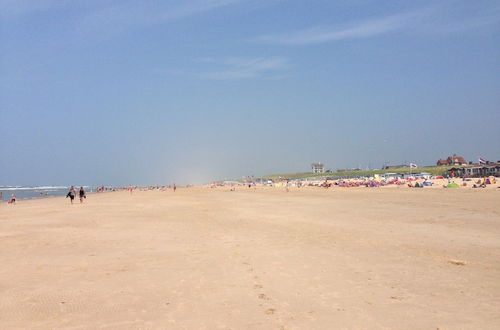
456,159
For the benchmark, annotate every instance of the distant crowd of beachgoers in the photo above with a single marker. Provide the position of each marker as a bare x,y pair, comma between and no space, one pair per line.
371,182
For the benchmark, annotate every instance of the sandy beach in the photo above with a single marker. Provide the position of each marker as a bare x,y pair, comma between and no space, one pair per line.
254,258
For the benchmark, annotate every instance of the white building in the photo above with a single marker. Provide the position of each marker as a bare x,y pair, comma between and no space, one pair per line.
318,167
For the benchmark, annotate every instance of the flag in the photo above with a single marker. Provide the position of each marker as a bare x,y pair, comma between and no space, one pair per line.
481,160
413,165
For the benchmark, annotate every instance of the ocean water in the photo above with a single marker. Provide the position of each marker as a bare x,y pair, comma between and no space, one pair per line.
37,192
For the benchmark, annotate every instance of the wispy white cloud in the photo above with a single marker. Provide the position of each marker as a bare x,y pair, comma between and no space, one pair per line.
130,14
242,68
426,20
165,9
361,29
195,7
107,17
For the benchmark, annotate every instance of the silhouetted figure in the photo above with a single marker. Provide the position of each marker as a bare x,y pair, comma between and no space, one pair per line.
71,194
82,194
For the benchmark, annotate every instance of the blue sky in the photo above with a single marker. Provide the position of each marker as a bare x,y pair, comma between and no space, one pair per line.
144,92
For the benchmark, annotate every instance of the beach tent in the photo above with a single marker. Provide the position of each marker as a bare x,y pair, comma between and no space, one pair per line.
452,185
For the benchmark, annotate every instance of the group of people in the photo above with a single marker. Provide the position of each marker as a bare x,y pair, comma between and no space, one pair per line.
72,194
484,182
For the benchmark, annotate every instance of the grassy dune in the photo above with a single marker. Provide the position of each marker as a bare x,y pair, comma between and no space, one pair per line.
434,170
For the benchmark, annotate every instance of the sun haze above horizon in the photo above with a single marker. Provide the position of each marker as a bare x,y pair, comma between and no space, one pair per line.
146,92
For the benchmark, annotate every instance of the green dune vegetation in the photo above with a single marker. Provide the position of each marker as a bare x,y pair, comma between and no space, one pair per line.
433,170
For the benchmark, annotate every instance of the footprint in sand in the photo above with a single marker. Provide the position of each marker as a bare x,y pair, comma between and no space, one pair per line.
263,296
270,311
257,286
457,262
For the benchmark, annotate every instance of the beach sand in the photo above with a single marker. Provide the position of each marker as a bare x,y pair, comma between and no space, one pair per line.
260,258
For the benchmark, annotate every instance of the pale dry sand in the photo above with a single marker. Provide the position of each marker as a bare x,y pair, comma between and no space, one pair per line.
253,259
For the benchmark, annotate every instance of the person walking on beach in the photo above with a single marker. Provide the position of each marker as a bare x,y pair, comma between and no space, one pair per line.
131,189
175,187
82,194
71,194
12,199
